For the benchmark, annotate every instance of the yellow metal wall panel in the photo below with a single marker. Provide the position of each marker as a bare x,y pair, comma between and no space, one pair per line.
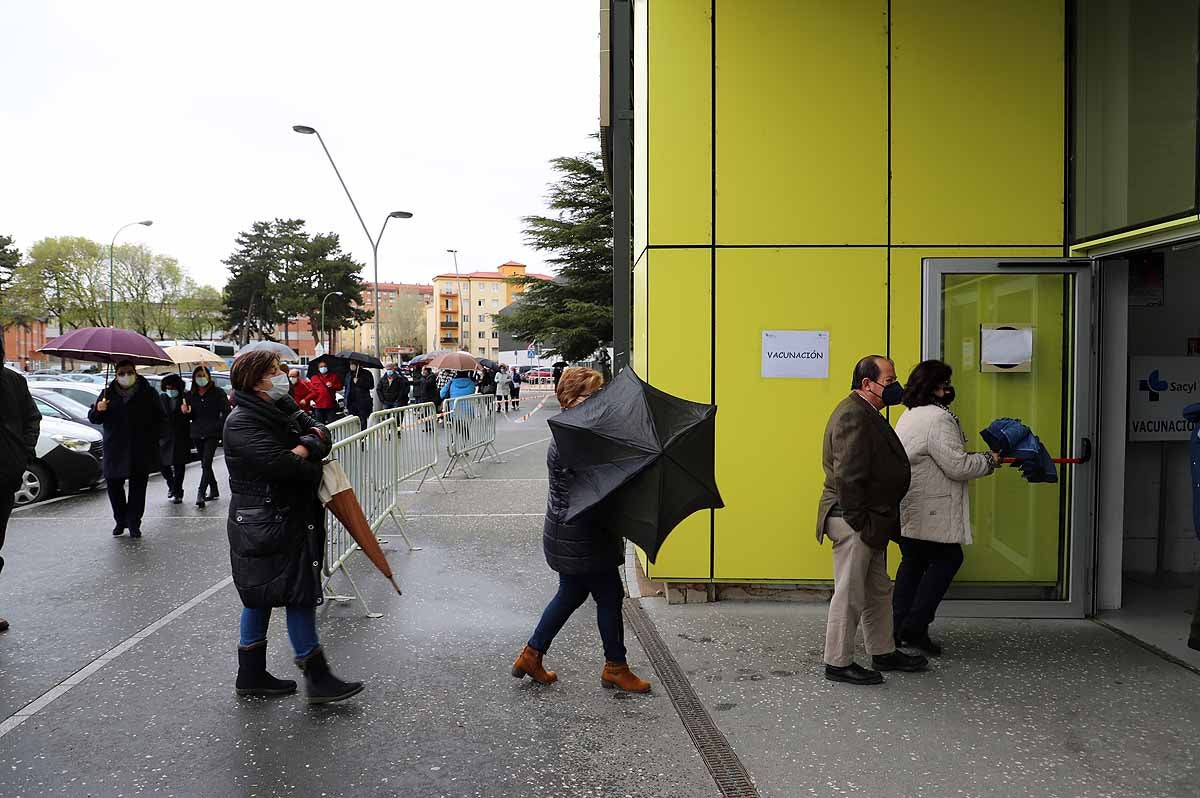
641,115
679,334
769,431
680,122
978,116
801,122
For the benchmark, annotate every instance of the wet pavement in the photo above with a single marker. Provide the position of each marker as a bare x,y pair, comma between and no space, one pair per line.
1015,708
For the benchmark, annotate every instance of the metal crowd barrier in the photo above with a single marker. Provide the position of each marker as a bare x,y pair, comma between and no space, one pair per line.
470,432
343,428
369,460
416,446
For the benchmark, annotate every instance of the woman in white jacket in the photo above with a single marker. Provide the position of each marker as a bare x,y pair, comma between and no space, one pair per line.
935,515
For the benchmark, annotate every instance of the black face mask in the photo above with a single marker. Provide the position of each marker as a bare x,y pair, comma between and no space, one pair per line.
891,394
946,398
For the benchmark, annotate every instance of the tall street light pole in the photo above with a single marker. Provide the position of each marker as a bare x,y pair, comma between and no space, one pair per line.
331,293
112,244
312,131
458,293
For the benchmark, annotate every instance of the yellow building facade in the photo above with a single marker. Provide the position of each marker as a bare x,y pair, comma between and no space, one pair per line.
794,162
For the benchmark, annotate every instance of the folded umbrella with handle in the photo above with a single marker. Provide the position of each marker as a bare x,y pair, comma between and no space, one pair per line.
337,494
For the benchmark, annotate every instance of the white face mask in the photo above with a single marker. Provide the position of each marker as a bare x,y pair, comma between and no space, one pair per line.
279,387
201,381
126,380
294,380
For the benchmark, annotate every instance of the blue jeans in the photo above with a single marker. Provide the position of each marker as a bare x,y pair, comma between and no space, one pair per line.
573,589
301,626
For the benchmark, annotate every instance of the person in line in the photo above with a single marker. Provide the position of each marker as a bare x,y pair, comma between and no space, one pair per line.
276,527
131,417
20,425
503,389
175,440
486,378
393,388
325,384
935,515
359,387
460,385
1191,413
425,387
515,390
586,554
556,373
302,391
207,406
866,476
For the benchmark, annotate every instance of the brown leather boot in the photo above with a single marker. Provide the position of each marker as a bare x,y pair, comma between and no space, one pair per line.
619,676
530,662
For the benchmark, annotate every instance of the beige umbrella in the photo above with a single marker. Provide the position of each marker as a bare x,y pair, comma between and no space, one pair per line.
189,356
455,361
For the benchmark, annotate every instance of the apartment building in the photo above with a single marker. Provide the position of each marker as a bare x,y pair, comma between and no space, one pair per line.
462,315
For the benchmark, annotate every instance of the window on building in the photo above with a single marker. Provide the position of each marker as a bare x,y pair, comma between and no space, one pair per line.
495,333
1135,114
480,303
482,351
481,335
495,303
495,288
481,318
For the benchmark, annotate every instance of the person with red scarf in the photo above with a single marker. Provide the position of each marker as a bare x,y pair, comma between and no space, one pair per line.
325,385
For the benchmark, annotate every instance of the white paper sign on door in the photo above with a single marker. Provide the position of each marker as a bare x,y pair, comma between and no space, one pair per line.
795,354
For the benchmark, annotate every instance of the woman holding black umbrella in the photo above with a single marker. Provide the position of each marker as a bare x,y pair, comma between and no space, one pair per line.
276,527
360,386
131,416
586,554
207,406
175,440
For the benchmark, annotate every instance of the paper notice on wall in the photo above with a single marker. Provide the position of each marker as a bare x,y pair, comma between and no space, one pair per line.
1006,348
796,354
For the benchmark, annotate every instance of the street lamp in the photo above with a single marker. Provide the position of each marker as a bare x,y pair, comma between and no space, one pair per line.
112,244
331,293
310,131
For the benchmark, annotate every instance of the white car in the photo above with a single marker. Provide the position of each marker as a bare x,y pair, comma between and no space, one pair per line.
83,392
68,460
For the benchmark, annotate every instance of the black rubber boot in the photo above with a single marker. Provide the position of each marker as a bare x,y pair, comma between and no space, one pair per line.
321,685
253,679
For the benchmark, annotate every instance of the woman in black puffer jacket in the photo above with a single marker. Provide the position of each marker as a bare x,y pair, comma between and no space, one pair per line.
276,526
586,554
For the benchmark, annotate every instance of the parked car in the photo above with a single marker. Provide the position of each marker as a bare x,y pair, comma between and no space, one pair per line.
90,377
221,380
82,392
52,404
67,460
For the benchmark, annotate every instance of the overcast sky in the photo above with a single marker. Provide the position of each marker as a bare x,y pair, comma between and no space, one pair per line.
117,111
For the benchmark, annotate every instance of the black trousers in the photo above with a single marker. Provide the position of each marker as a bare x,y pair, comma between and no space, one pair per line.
925,573
173,476
7,500
326,415
208,481
128,510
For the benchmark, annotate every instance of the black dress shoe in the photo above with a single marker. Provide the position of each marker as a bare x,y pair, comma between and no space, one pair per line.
177,500
135,533
1194,642
200,502
899,661
118,531
922,643
853,674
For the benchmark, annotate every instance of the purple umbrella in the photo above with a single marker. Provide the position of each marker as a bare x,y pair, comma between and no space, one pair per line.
107,345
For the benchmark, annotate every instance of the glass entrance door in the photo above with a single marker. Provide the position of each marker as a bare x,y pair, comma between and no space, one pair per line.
1018,335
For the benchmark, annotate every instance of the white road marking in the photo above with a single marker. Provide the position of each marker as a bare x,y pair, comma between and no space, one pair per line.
78,677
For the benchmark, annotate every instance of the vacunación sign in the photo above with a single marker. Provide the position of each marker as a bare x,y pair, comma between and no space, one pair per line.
795,354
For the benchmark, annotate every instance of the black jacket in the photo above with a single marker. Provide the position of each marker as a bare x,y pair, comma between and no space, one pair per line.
131,430
208,412
276,523
20,423
358,390
174,440
394,390
584,545
425,388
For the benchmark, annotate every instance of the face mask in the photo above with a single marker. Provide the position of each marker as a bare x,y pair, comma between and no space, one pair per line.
294,380
279,387
324,370
126,380
201,381
353,368
947,397
891,394
171,392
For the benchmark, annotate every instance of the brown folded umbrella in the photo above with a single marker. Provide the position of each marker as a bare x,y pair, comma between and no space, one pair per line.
345,507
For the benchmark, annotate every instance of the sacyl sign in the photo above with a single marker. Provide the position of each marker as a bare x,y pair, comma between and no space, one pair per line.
802,354
1159,389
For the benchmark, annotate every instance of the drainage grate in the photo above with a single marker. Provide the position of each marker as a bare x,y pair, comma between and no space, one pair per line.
718,755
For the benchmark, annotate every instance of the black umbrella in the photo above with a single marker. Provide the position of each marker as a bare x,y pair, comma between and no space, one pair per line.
488,364
370,361
562,364
641,460
337,365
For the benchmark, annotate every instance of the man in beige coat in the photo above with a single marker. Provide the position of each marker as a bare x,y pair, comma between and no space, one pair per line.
866,476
